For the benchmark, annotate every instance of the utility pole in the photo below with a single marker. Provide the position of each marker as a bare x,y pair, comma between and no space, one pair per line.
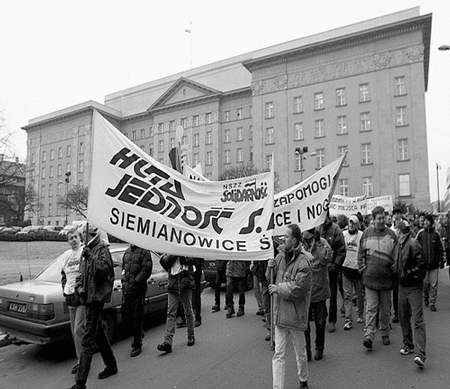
68,174
437,181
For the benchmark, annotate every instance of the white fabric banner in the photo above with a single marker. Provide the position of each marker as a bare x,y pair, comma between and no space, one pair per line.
344,205
193,174
143,202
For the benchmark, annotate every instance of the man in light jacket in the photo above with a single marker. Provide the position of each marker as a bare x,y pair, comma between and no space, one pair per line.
292,290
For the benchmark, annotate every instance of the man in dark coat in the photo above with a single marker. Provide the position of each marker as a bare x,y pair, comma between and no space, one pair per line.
333,235
136,270
95,288
220,277
236,273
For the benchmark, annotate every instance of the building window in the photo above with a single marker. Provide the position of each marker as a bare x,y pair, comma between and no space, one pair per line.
172,143
150,150
368,186
50,172
269,136
364,94
269,162
400,116
227,157
320,158
196,159
68,150
240,155
365,154
142,133
81,167
250,132
160,128
195,121
403,152
196,140
60,152
50,190
52,154
227,138
239,113
59,170
59,188
365,124
44,156
50,211
319,128
319,102
171,127
298,104
227,116
298,131
340,97
344,189
68,167
341,151
209,158
161,146
268,110
33,158
208,118
133,135
399,86
341,125
208,138
184,140
251,154
43,172
404,185
239,134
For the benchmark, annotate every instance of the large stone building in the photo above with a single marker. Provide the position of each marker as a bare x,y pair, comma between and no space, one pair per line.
359,88
12,191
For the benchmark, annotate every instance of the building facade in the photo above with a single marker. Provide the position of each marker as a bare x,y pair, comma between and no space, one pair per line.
12,192
358,89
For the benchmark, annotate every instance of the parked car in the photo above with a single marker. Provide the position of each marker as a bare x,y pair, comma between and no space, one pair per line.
31,230
34,311
209,270
10,230
52,228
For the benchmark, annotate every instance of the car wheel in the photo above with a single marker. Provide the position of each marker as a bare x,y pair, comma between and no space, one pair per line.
109,325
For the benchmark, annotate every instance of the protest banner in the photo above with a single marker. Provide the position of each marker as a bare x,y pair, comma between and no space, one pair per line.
193,174
344,205
141,201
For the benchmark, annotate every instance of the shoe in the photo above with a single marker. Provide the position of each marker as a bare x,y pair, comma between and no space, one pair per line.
197,323
108,371
368,344
260,312
75,369
319,355
181,324
419,362
240,312
426,302
342,312
304,384
215,308
308,355
164,347
78,386
135,351
395,319
386,340
433,307
331,327
406,350
360,320
348,326
191,340
229,314
267,337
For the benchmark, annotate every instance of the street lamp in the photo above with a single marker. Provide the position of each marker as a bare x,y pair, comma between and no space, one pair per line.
438,167
68,174
300,151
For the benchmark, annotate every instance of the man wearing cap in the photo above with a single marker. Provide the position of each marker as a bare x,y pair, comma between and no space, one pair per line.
95,288
351,278
433,252
411,269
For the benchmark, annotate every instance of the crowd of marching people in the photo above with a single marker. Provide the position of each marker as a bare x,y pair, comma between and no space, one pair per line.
385,269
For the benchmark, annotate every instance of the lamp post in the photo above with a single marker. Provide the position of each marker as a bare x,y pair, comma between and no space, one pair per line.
300,151
438,167
68,174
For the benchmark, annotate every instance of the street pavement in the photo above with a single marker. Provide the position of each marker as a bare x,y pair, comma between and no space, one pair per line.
233,354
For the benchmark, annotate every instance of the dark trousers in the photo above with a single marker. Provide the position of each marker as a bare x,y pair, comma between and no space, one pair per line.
196,300
318,313
220,277
133,314
335,282
94,335
395,297
239,283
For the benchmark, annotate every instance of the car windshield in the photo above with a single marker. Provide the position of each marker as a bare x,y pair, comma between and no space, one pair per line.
53,271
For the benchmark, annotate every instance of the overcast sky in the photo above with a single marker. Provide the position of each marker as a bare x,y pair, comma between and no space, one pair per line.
54,54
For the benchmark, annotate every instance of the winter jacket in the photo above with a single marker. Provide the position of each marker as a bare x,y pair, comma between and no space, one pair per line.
70,273
182,281
136,269
237,269
352,245
96,273
321,255
333,235
376,258
293,278
431,244
410,263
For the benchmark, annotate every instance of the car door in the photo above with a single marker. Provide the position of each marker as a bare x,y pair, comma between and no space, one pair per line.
157,285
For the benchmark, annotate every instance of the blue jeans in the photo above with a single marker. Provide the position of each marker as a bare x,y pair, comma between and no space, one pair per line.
172,307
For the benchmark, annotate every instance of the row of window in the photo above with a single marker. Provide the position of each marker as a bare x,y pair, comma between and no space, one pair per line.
367,186
81,150
51,170
341,98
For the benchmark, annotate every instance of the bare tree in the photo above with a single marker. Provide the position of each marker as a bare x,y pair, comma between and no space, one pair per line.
32,203
76,200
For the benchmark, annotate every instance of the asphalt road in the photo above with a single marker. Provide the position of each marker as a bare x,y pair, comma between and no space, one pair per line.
233,354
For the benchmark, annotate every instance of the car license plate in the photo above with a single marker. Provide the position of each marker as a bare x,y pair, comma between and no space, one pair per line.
15,307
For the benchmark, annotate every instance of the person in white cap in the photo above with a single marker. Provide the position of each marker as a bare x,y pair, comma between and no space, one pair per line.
351,278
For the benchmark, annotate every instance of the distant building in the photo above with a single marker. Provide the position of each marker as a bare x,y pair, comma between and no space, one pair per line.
12,191
445,202
359,88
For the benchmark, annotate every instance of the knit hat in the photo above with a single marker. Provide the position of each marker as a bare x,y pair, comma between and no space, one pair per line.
353,219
